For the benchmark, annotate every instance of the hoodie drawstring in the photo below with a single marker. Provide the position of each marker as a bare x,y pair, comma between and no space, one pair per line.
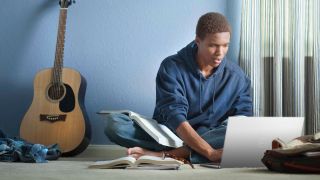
214,94
200,93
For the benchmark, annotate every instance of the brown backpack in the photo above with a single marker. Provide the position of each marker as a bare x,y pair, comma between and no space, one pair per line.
301,155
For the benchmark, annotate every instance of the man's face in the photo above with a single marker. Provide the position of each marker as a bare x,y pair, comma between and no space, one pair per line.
213,48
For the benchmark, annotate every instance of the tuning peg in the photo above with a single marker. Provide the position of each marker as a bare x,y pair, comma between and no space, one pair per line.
72,2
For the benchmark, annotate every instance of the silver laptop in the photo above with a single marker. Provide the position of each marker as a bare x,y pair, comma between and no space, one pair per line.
247,138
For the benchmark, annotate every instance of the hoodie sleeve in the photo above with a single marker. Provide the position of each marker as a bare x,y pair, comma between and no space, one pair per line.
243,103
171,103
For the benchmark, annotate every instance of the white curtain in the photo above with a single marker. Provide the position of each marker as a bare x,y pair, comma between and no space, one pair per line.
280,46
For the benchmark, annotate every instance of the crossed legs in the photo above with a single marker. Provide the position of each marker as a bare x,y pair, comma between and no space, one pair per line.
123,131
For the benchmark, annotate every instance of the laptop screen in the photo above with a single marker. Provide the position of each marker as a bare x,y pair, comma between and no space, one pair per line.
247,138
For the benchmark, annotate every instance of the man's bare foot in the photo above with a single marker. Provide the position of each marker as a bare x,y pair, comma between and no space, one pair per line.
137,152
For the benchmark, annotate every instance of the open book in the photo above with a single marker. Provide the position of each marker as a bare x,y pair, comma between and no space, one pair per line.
161,133
144,162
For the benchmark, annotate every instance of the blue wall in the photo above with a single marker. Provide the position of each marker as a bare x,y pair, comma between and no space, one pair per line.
117,45
234,16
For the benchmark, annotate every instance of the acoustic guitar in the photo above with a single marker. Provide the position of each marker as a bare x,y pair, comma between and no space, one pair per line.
57,113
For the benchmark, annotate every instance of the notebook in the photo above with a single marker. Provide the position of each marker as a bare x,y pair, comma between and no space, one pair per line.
247,138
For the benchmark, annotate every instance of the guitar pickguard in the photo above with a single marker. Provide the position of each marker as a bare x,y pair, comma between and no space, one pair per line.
67,104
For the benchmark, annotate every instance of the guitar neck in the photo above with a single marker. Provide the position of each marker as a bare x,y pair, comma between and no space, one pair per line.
58,62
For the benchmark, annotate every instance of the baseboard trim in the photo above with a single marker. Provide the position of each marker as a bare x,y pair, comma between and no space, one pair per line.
104,147
103,151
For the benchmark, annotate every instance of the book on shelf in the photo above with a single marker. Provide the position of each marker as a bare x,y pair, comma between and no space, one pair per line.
144,162
159,132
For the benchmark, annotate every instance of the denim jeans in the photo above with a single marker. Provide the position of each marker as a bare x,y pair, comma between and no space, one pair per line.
16,149
123,131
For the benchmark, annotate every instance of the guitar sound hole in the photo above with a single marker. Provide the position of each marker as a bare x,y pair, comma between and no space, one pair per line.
56,91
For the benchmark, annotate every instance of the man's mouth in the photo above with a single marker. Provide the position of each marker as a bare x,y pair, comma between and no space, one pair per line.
217,60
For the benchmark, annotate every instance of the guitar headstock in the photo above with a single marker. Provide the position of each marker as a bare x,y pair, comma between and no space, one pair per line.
66,3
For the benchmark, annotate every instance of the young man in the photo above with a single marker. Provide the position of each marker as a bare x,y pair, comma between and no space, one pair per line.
197,90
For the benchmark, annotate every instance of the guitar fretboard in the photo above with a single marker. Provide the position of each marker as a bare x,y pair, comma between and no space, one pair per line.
58,62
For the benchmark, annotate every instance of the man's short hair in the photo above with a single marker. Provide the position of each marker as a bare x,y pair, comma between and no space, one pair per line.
212,23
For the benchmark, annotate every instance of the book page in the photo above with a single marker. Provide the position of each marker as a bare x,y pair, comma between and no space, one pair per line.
156,161
162,134
116,163
156,167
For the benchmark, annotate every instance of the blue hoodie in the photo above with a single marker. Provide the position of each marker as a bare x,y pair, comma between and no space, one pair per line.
184,94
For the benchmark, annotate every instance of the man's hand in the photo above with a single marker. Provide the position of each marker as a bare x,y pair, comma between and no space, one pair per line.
216,155
194,141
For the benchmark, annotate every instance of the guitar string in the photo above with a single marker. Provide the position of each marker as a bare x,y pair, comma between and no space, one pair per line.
57,71
55,65
56,62
61,91
58,55
61,50
55,93
61,55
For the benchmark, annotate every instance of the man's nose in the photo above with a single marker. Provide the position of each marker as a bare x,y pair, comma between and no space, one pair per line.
219,50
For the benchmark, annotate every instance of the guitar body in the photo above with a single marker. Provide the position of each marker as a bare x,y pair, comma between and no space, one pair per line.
60,120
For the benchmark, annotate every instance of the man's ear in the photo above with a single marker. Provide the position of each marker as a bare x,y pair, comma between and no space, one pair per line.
197,40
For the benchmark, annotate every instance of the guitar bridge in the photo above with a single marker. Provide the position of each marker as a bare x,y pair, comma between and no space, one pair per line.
52,118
